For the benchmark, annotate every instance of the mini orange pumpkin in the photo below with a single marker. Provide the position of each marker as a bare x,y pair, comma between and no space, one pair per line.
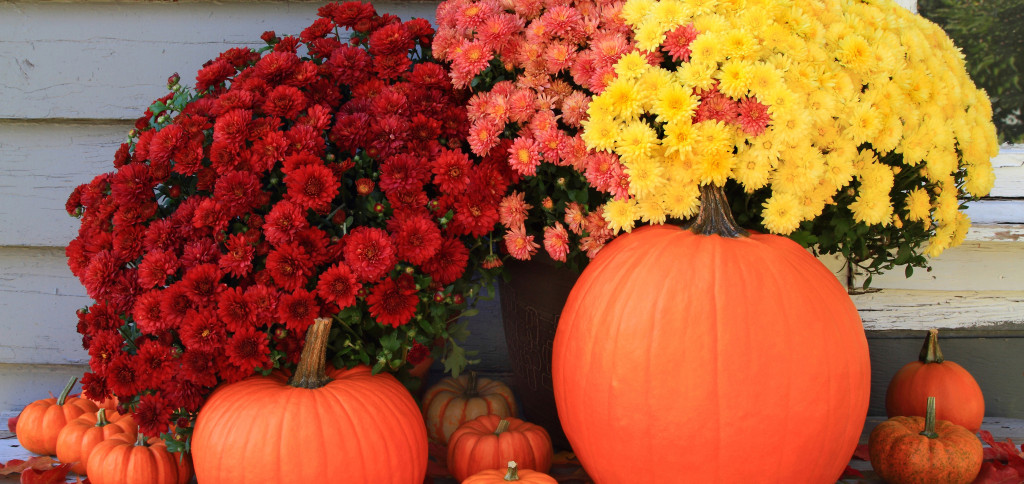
78,438
489,441
957,394
132,459
42,420
498,476
455,401
915,450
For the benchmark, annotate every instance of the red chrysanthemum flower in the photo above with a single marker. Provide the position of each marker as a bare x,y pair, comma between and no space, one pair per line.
202,283
312,187
403,172
338,285
235,310
369,253
283,222
122,375
237,258
306,139
94,387
249,349
148,313
213,74
176,304
105,345
449,263
390,305
415,236
392,39
285,102
264,301
183,392
200,366
716,106
199,251
298,309
473,216
202,329
451,171
289,266
232,127
152,414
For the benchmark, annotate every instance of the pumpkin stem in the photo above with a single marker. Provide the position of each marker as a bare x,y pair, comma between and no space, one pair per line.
715,216
502,426
930,352
513,471
471,389
140,439
67,389
101,417
312,369
929,420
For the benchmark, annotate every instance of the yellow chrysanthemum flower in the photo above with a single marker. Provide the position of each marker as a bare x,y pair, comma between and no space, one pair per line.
670,13
781,214
645,177
707,48
740,43
649,35
631,66
712,136
734,78
651,84
600,132
636,141
697,75
919,206
634,11
681,200
945,205
650,210
856,53
680,137
620,214
714,166
675,104
865,123
942,240
980,179
752,170
621,99
872,207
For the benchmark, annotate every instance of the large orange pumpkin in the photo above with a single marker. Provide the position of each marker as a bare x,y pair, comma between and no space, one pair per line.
921,450
134,459
454,401
958,397
42,420
490,441
78,438
677,351
351,425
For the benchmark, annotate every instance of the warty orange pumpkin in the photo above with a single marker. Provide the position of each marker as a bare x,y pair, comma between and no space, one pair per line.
958,397
42,420
490,441
677,347
346,423
921,450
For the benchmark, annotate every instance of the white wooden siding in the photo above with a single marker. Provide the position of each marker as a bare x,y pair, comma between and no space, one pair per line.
74,75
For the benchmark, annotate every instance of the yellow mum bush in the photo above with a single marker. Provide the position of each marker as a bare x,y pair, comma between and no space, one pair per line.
850,125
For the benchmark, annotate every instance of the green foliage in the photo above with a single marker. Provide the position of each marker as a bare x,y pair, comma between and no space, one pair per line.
991,35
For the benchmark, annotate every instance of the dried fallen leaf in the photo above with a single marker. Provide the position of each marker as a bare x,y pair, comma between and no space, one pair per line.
992,472
862,453
55,475
1004,463
851,472
12,424
16,466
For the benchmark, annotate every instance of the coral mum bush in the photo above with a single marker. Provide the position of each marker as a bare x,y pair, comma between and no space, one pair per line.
317,176
851,126
533,67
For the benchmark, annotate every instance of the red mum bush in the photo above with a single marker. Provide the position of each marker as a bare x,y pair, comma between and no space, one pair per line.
319,175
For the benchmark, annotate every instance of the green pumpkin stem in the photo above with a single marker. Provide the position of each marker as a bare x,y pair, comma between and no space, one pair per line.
67,389
502,426
715,215
929,420
513,471
101,417
930,352
311,371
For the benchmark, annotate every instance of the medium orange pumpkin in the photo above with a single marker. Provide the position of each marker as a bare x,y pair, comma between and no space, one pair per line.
78,438
455,401
490,441
511,474
958,397
132,459
916,450
675,349
352,425
42,420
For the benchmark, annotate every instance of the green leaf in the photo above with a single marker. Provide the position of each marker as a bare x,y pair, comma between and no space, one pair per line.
455,360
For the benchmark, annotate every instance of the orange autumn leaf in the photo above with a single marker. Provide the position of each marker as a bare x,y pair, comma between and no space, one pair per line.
52,475
17,466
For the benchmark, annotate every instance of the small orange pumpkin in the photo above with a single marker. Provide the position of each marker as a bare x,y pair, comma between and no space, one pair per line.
42,420
489,441
124,459
957,394
915,450
455,401
78,438
497,476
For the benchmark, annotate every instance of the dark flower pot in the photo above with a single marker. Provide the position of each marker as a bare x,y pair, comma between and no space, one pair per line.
531,302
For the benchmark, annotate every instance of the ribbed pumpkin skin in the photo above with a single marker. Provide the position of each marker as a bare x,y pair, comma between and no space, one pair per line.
474,447
900,455
118,460
42,420
359,428
958,397
446,405
677,353
79,437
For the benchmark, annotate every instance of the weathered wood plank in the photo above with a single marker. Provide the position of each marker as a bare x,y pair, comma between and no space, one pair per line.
975,265
1009,166
890,309
41,164
111,60
23,384
38,300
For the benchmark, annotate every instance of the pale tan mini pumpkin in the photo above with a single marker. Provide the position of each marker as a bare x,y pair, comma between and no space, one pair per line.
454,401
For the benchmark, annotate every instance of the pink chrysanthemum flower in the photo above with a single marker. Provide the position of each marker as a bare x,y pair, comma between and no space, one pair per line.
483,135
520,245
574,217
556,242
716,106
677,42
513,209
524,156
521,105
574,108
754,116
559,56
